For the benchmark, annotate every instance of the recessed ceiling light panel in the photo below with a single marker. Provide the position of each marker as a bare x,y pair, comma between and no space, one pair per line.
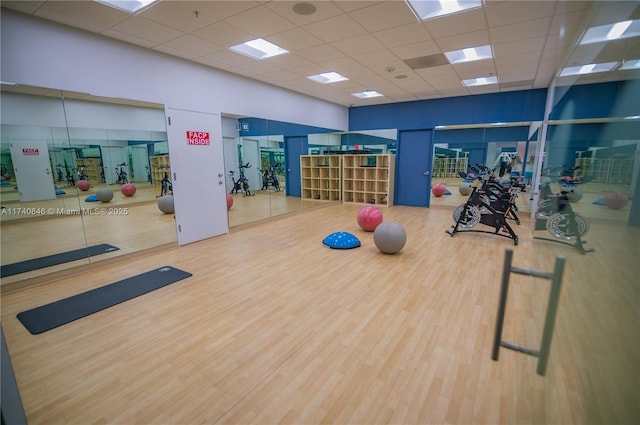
131,6
258,49
367,94
327,77
470,54
630,64
591,68
480,81
427,9
616,31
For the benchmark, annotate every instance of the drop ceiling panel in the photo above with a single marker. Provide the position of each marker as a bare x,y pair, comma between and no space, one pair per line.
185,16
521,31
531,45
295,40
193,45
223,33
91,16
336,28
146,29
511,12
414,50
399,36
384,15
324,10
367,41
470,21
260,21
467,39
321,53
361,44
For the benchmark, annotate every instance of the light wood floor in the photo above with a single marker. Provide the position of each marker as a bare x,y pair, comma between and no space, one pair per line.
275,328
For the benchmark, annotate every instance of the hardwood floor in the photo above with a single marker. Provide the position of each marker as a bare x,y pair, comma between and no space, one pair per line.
275,328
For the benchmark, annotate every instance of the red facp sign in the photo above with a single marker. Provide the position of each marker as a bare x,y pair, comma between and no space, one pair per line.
30,151
198,138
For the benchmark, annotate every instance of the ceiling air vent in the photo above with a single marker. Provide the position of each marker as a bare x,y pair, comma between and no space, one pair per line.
427,61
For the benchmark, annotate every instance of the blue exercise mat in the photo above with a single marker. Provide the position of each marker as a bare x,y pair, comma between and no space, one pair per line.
58,313
55,259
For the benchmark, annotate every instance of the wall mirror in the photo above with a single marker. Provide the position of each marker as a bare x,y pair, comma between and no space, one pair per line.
262,165
53,140
598,160
458,148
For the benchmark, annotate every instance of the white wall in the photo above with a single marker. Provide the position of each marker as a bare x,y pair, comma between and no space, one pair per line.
40,53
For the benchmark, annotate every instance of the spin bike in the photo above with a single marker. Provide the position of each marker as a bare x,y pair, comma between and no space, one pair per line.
480,208
242,184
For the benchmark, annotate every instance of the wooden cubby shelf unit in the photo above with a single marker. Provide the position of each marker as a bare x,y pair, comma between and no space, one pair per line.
368,179
320,177
92,167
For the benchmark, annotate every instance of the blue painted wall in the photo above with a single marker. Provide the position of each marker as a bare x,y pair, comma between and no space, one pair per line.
477,109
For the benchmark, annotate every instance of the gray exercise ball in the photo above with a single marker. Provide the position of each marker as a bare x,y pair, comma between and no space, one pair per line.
389,237
104,195
465,188
165,204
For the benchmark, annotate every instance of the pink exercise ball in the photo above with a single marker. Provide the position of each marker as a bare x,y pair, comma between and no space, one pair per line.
128,189
369,218
615,200
229,201
7,176
439,189
83,185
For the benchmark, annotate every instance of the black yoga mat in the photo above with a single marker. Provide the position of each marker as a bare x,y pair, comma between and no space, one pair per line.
58,313
55,259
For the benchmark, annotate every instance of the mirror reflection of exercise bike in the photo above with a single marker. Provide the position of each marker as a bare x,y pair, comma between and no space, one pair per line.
166,187
121,174
270,178
555,214
242,184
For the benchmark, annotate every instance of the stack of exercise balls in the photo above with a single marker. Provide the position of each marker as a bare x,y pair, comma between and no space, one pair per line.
388,236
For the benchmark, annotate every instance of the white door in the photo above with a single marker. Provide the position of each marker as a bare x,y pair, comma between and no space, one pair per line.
197,169
32,169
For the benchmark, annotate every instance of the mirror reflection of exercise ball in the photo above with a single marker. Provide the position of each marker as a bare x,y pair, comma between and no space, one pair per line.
104,195
165,204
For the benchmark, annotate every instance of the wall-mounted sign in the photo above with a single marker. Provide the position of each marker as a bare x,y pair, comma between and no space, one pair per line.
198,138
30,151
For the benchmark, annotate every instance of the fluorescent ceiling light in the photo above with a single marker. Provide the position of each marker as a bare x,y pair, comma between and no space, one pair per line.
367,94
624,29
427,9
328,77
480,81
131,6
258,49
470,54
591,68
630,64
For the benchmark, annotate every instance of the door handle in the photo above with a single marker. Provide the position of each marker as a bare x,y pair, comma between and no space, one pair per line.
427,173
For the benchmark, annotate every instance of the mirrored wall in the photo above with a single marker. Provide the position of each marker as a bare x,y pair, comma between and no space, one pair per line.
506,148
59,150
